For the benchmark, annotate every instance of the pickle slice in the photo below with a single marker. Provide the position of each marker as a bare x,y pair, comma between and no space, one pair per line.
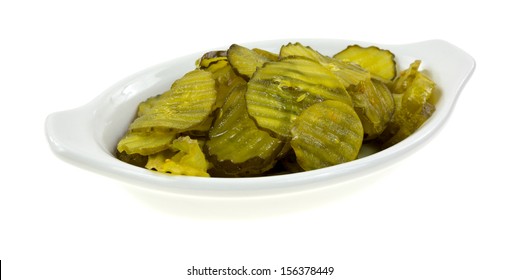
380,63
145,143
413,93
326,134
224,75
226,79
374,105
245,61
406,78
348,73
236,146
210,59
183,158
297,49
188,103
279,91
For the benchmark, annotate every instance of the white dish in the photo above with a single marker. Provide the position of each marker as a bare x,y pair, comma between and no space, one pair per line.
87,136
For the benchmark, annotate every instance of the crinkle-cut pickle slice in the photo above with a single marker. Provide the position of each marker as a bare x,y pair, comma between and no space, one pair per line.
412,92
398,132
374,105
211,59
224,75
226,79
145,143
297,49
245,61
184,157
188,103
349,74
405,78
326,134
236,145
381,63
279,91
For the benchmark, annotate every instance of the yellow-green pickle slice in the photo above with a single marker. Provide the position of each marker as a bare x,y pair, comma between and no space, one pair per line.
413,92
326,134
188,103
184,157
374,105
224,75
279,91
236,146
145,143
381,63
245,61
349,74
298,49
211,59
225,79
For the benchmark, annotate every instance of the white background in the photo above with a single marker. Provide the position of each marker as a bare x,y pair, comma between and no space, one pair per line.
449,211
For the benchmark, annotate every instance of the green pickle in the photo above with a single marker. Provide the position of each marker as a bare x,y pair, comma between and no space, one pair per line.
413,93
330,126
212,60
245,61
145,143
251,112
184,157
225,78
236,146
188,103
374,105
349,74
381,63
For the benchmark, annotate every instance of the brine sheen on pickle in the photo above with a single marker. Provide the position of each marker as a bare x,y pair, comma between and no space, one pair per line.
244,112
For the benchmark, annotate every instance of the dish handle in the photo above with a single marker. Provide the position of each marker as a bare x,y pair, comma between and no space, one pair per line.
66,133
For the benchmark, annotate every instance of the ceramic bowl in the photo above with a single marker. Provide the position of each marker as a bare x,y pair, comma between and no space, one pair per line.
87,136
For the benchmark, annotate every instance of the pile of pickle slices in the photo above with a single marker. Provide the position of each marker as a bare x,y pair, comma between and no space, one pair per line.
250,112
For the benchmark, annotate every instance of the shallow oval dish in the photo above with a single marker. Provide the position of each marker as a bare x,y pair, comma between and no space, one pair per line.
87,136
